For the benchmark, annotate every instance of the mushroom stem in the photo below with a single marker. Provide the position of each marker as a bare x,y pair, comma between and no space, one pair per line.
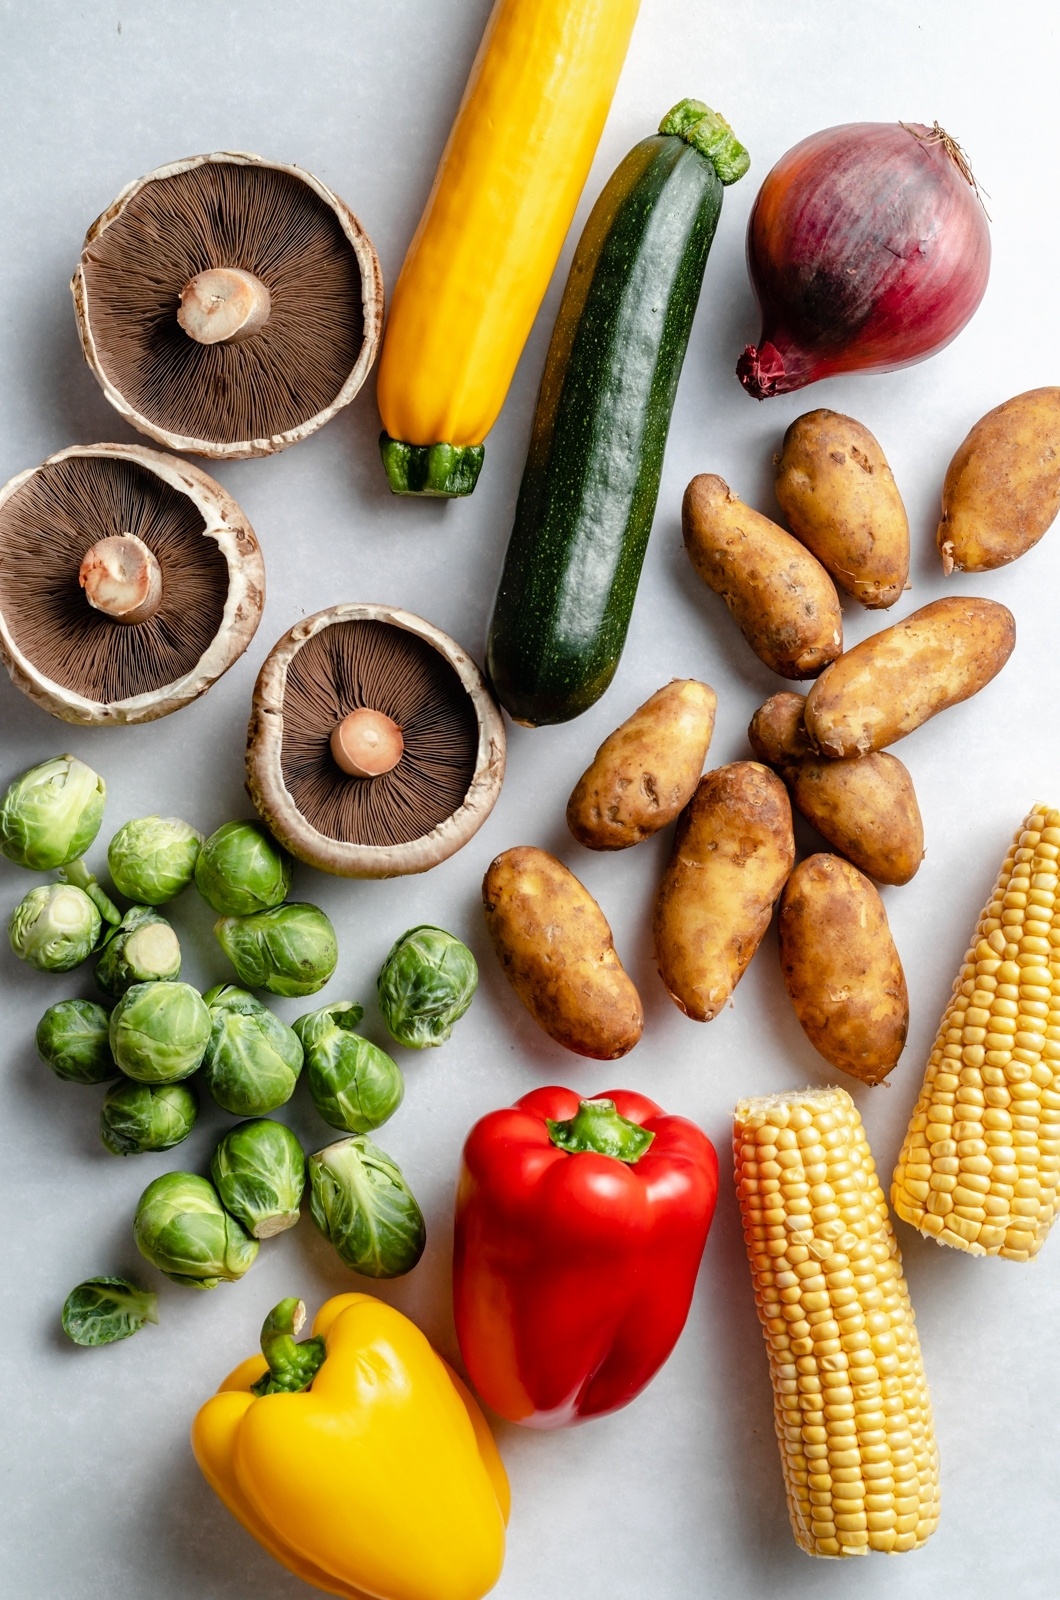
367,743
122,578
223,305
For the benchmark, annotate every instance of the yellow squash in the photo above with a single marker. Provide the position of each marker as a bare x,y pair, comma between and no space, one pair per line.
357,1458
503,198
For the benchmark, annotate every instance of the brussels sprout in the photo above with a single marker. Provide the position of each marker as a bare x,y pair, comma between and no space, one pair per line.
361,1202
426,985
102,1310
253,1059
142,949
51,814
151,859
354,1084
139,1117
183,1229
290,950
241,869
73,1037
54,928
159,1031
259,1171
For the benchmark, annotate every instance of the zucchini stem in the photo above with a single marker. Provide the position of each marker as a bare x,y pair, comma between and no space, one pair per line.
708,132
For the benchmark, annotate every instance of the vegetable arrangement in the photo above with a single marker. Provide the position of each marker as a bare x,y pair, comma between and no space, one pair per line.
580,1223
162,1033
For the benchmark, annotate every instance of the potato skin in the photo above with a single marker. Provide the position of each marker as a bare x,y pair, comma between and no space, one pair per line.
645,772
865,806
842,969
840,499
732,853
780,596
555,946
888,685
1002,488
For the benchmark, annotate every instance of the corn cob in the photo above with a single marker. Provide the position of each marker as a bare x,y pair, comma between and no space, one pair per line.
851,1405
980,1165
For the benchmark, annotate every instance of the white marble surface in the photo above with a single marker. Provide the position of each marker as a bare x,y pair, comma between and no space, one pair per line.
680,1496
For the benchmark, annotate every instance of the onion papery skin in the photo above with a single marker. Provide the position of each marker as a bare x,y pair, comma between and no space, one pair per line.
868,249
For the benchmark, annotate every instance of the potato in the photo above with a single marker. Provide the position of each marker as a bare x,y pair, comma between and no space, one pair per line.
842,969
1002,488
864,806
889,684
556,949
782,599
732,852
644,772
839,497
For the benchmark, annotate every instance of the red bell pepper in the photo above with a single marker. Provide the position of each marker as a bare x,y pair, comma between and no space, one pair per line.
579,1230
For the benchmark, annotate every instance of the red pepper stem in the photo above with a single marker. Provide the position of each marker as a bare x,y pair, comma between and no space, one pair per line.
597,1128
292,1366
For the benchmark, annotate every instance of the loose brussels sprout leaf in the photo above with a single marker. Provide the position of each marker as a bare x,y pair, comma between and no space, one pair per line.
426,985
354,1084
253,1059
159,1031
259,1172
140,1117
51,814
290,950
151,859
142,949
183,1229
73,1037
54,928
77,873
103,1310
241,869
361,1202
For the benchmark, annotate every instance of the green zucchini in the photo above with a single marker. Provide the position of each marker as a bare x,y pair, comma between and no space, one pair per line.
591,479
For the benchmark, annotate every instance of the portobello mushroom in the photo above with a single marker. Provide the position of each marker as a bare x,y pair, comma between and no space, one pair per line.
229,306
129,582
363,686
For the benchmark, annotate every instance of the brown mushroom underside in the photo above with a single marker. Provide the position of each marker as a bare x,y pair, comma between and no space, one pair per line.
47,526
365,663
223,214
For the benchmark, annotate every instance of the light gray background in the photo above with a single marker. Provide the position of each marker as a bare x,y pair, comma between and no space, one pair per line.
681,1494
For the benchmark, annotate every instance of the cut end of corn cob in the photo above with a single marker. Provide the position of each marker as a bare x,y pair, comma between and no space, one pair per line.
851,1405
980,1166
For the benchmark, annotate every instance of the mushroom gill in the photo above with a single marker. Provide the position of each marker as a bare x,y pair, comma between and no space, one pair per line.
173,232
47,528
374,665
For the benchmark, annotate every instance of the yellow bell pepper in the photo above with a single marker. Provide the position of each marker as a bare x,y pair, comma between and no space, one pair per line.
503,198
358,1458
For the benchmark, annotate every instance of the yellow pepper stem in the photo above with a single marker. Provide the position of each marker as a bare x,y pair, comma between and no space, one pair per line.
292,1366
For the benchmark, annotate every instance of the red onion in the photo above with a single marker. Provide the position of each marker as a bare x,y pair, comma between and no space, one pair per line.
868,247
